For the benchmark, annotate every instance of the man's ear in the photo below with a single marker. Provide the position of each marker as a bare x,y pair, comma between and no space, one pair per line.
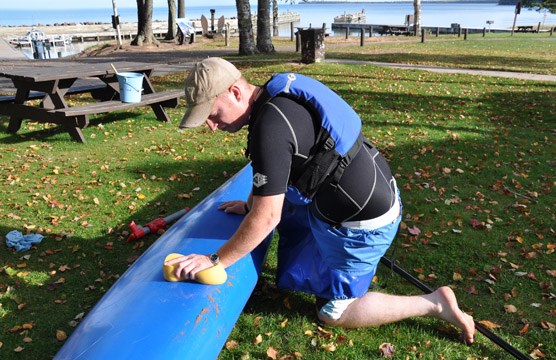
236,92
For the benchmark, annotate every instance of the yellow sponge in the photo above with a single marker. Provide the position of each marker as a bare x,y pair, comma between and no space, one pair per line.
215,275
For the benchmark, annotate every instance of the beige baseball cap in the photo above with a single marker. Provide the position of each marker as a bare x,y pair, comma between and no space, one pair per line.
208,79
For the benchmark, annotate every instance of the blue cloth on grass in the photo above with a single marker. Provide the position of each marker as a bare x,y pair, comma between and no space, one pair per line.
20,242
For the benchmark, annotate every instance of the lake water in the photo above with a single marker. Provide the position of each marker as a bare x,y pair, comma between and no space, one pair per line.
471,15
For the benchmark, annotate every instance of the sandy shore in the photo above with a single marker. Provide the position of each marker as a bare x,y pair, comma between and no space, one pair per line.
14,31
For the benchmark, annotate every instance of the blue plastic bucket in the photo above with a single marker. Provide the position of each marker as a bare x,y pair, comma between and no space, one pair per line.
131,85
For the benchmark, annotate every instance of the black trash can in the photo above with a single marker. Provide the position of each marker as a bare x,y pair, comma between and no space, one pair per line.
312,45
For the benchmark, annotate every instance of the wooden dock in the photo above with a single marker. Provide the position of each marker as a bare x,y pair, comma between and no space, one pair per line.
382,29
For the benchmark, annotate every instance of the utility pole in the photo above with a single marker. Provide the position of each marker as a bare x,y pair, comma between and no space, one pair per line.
116,24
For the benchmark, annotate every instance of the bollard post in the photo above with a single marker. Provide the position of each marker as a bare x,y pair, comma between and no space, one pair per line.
423,35
539,27
291,31
459,31
370,31
484,31
347,32
297,42
552,30
362,42
437,31
465,32
227,35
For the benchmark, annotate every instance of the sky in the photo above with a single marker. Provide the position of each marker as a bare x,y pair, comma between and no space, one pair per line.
87,4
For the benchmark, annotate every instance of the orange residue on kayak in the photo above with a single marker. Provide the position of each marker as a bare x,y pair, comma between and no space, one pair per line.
200,316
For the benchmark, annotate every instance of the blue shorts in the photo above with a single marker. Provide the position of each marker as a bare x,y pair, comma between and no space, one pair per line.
331,262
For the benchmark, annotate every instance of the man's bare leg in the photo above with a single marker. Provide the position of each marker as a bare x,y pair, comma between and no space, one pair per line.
374,309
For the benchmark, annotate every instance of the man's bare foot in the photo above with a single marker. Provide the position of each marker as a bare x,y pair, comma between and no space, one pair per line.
449,311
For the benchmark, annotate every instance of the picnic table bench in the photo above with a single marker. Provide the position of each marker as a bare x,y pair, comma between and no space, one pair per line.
525,28
52,84
395,30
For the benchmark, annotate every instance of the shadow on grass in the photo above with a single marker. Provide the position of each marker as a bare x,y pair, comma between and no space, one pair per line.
52,131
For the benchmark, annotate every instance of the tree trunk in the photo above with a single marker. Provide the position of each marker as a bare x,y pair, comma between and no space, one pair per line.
245,25
181,9
145,35
172,26
264,37
416,17
275,17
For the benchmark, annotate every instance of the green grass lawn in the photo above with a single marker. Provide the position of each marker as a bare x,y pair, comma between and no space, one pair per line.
473,156
530,53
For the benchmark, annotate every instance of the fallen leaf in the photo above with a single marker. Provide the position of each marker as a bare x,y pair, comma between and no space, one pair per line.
287,304
537,354
386,349
61,335
472,290
232,344
258,339
551,273
342,339
489,324
64,268
329,347
325,333
510,309
524,330
547,325
284,323
272,353
476,224
414,230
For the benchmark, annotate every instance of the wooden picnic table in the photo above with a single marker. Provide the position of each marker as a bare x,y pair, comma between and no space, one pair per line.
525,28
51,84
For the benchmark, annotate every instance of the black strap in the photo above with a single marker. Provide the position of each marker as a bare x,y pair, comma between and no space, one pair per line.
347,159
